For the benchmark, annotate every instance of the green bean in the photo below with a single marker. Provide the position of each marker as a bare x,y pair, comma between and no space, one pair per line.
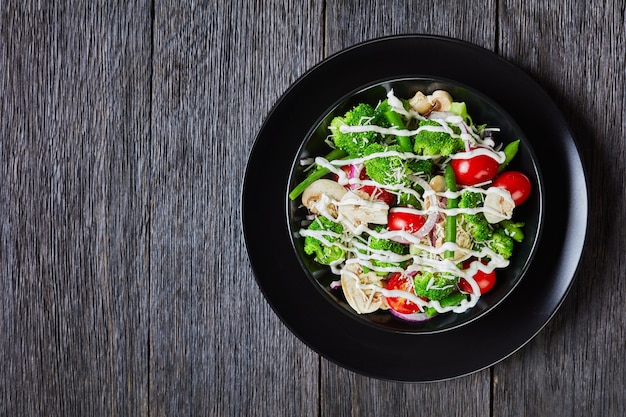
335,154
452,204
453,299
514,230
316,174
510,151
395,120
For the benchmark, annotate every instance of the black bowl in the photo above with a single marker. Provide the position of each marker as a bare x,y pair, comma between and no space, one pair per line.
377,349
483,111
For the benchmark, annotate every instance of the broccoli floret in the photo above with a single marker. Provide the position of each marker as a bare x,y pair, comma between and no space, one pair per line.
407,199
354,143
478,227
324,254
501,243
429,142
379,244
389,117
434,285
381,112
385,244
470,199
383,107
475,224
387,170
421,166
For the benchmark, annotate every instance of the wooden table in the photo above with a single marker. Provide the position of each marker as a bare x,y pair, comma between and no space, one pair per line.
125,288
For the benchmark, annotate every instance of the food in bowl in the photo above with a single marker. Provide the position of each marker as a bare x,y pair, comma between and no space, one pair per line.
412,207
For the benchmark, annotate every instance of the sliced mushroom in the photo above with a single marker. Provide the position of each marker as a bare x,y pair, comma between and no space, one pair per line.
321,195
498,205
359,210
441,100
362,300
420,103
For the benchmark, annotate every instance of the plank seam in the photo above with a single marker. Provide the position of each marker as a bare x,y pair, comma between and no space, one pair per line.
149,211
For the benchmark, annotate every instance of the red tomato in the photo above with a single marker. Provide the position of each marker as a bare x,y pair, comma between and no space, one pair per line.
350,170
376,192
405,218
475,170
515,183
379,194
399,304
485,282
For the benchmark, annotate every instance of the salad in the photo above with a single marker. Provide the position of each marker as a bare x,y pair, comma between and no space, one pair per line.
412,207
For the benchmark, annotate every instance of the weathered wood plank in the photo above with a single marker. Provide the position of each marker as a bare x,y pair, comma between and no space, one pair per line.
124,131
574,366
351,22
343,392
74,151
216,346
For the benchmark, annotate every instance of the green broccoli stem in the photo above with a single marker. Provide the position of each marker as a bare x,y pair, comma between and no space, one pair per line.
452,204
396,120
316,174
510,151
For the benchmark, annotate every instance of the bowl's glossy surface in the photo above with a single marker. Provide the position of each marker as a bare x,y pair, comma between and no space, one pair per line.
483,111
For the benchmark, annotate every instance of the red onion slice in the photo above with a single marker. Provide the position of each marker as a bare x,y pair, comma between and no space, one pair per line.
423,231
428,226
433,216
413,317
354,172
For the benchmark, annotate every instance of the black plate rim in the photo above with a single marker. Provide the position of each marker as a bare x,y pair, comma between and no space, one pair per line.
573,227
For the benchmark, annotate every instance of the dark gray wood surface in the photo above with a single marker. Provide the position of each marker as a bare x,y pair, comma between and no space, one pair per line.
125,288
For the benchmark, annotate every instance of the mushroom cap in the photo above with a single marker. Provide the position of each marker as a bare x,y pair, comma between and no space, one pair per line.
320,188
499,203
359,210
441,100
420,103
363,301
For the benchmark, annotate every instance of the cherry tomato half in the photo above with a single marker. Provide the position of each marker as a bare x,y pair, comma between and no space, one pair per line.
485,281
379,194
515,183
405,218
351,171
475,170
376,193
401,305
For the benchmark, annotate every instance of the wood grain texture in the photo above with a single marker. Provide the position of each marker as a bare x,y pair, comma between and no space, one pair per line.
74,150
349,23
576,54
125,287
346,394
216,347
